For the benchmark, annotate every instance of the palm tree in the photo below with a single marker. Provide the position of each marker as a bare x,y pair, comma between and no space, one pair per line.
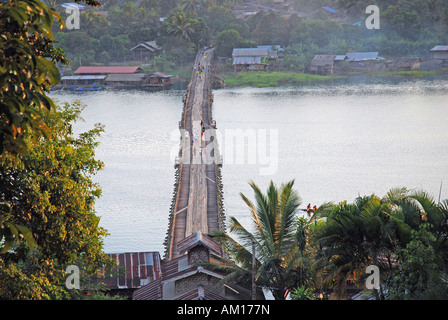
191,6
275,240
351,237
180,26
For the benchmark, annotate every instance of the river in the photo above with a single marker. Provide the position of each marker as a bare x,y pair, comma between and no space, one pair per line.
337,139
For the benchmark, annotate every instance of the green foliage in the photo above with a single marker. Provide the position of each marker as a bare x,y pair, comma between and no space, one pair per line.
25,73
383,232
302,293
271,79
420,276
226,40
51,193
278,257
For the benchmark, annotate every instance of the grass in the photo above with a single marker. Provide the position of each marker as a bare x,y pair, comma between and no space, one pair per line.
270,79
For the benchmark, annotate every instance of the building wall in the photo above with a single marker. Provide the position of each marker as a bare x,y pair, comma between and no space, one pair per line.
185,285
440,55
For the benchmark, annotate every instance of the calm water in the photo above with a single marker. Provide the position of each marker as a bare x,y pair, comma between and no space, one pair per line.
336,140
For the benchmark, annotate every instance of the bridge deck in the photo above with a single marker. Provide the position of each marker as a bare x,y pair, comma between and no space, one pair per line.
196,208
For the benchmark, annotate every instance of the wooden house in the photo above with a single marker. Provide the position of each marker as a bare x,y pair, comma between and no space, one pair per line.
159,79
145,50
407,64
242,11
440,53
82,80
250,59
322,64
274,51
108,70
126,80
365,61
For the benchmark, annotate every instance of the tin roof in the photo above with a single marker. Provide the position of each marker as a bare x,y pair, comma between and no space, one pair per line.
440,48
84,77
200,293
72,4
151,291
406,61
323,60
106,70
128,77
196,239
361,56
250,52
340,57
141,268
330,9
160,75
149,45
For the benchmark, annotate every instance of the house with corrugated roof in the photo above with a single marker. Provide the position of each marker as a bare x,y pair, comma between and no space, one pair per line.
407,64
145,50
108,70
440,53
322,64
250,59
185,277
275,51
365,61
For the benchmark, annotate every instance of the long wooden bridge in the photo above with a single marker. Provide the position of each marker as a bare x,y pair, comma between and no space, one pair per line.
196,208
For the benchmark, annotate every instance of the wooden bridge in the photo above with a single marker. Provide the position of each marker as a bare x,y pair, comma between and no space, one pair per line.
196,208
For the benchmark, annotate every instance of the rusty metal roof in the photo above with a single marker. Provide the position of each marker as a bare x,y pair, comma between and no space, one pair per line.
140,269
196,239
107,70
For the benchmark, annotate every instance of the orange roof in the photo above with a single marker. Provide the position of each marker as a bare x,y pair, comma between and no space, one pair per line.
103,70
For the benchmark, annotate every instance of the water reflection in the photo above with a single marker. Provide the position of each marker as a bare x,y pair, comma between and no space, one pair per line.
337,140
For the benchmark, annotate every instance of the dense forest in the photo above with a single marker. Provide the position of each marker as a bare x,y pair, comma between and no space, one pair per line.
301,27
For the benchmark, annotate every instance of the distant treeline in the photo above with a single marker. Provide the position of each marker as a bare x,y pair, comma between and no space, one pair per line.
180,27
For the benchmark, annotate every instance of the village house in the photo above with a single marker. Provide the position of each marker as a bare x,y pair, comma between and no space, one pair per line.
139,80
116,77
440,53
250,59
248,9
365,61
82,80
437,59
182,279
322,64
350,62
407,64
108,70
274,51
326,64
145,51
124,80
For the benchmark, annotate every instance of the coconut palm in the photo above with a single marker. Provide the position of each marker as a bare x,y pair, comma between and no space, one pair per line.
180,26
277,251
191,6
369,231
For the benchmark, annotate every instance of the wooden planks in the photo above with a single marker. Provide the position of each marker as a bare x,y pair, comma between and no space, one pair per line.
196,207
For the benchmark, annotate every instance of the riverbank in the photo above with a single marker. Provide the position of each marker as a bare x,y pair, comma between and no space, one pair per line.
271,79
262,79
